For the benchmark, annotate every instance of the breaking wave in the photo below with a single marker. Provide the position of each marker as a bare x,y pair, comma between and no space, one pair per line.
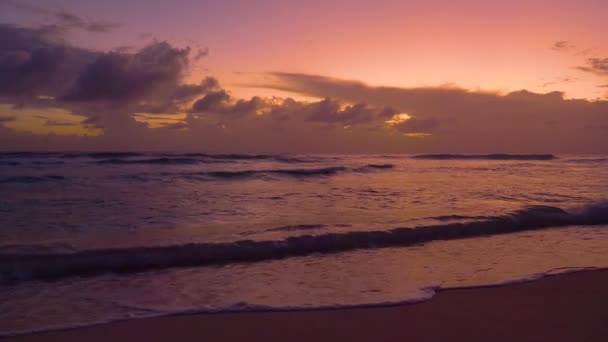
487,156
16,267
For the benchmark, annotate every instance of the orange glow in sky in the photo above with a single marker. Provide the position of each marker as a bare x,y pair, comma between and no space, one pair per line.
473,49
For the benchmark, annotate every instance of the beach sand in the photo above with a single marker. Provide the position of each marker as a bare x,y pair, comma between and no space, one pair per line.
570,307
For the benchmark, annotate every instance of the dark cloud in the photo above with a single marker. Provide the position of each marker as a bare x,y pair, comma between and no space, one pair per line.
36,62
63,20
190,91
415,125
118,90
124,77
249,107
4,119
212,102
473,120
598,66
329,111
177,125
562,46
200,53
55,123
70,20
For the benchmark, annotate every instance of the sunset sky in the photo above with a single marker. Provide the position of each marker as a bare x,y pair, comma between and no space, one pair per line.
304,76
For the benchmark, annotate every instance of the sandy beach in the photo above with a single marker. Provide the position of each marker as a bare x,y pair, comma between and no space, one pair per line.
568,307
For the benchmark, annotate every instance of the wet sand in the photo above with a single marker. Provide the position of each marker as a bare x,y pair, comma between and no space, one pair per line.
570,307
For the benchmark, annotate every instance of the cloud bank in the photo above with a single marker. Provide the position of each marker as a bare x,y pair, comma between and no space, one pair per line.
113,90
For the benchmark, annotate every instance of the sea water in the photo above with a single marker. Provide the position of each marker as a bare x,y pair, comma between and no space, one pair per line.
96,237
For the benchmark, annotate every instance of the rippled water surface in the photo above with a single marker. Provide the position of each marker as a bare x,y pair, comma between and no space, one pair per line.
72,212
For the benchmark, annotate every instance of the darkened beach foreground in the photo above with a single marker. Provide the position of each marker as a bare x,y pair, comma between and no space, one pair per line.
567,307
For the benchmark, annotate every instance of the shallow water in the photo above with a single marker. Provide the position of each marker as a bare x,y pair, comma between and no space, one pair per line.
58,204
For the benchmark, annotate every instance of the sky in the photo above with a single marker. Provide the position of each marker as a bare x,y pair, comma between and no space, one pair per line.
286,76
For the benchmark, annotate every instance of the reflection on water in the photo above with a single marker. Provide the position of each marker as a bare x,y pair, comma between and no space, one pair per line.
102,205
53,203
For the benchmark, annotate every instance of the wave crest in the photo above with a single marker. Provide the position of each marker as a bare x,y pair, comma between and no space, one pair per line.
299,173
486,156
22,266
157,161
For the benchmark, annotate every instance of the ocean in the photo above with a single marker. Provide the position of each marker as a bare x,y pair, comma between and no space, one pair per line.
87,238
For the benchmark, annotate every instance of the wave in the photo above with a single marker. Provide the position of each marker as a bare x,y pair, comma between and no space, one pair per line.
35,162
69,155
325,171
422,294
157,161
296,227
26,154
486,156
300,173
18,267
378,166
232,156
116,157
103,155
31,179
53,162
189,159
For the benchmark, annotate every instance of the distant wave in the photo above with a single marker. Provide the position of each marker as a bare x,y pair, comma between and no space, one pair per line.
102,155
325,171
69,154
158,161
271,157
18,267
35,162
154,158
31,179
296,227
379,166
196,159
299,172
51,162
487,156
26,154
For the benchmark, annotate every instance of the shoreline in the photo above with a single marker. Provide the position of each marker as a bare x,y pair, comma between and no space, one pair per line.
569,306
